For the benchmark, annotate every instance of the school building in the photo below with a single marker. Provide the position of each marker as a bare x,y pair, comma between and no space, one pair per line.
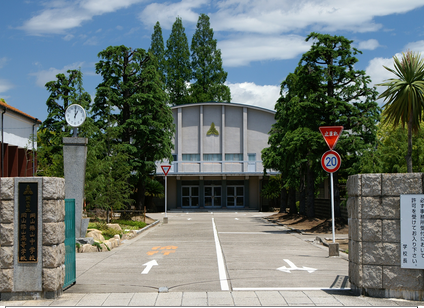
217,156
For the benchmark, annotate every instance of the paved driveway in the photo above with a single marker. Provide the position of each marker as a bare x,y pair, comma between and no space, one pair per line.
220,251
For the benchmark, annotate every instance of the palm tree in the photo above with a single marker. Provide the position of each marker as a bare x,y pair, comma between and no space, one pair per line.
405,96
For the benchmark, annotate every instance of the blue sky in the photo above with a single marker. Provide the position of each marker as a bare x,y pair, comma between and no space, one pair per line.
261,41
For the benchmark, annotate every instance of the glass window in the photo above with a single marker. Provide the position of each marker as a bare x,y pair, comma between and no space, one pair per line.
251,157
212,157
234,157
191,157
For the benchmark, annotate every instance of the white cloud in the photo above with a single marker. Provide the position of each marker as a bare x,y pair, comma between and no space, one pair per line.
240,51
369,45
59,16
249,93
415,46
166,13
42,77
68,37
5,85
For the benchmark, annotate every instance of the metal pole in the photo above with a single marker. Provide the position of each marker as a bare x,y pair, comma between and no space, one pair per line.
166,195
332,208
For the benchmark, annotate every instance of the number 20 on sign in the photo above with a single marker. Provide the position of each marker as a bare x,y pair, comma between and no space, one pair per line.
331,161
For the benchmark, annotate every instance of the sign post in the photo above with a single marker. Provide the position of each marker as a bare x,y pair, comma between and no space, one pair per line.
331,162
165,169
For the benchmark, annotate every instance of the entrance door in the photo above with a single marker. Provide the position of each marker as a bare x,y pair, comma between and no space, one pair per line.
212,196
190,196
235,196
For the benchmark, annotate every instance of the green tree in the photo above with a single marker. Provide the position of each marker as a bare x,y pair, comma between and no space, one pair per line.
178,69
157,48
324,90
132,96
208,74
405,96
64,91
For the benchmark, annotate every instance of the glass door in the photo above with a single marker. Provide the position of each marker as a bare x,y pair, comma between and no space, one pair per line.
212,196
190,196
235,196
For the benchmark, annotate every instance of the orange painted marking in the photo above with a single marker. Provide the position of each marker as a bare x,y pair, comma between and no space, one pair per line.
156,248
165,253
151,253
169,247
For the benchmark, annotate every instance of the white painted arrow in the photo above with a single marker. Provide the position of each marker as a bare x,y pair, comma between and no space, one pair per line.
149,266
293,267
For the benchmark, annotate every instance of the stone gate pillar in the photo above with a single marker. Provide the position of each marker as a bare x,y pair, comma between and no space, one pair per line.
32,235
374,236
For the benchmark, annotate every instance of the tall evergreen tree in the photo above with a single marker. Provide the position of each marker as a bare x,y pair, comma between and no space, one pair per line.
177,68
157,48
131,94
64,91
208,74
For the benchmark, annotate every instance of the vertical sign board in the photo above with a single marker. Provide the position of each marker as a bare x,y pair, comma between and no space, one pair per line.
412,231
28,223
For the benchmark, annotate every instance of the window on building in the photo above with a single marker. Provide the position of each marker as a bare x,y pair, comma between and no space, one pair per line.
251,156
191,157
234,157
212,157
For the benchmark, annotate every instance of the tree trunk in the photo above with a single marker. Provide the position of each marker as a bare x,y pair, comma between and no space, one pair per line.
310,191
409,153
302,195
292,200
140,197
283,200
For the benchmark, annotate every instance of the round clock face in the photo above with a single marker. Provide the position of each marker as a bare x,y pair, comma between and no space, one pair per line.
75,115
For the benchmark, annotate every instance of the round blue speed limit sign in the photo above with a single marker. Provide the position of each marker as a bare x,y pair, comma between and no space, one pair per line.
331,161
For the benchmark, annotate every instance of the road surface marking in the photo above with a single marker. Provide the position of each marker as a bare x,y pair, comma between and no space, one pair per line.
245,233
149,266
292,289
165,250
293,267
220,258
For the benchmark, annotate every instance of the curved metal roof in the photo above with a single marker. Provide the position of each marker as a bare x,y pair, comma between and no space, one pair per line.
225,104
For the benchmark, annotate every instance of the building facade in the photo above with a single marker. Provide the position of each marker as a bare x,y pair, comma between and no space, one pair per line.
217,156
18,142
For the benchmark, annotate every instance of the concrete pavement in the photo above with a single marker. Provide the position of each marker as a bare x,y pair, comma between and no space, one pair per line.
213,259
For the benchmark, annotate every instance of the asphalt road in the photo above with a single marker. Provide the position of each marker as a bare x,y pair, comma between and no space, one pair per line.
219,251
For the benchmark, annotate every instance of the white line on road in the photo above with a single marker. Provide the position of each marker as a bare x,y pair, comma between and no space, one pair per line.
245,233
220,257
291,289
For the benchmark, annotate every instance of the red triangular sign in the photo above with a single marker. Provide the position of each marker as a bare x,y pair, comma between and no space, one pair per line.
331,134
165,169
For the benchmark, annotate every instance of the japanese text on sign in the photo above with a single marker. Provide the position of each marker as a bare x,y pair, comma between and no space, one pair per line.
28,209
412,231
330,134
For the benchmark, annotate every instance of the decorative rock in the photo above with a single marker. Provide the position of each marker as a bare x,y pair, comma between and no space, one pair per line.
6,280
7,211
397,278
53,256
53,233
354,185
95,234
53,210
391,231
6,234
371,207
391,207
372,276
372,230
88,248
114,226
85,240
7,188
53,188
6,257
395,184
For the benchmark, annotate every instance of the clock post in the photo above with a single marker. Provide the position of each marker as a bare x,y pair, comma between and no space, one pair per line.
74,159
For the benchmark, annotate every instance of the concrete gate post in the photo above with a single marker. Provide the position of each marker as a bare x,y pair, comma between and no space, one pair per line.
375,237
32,235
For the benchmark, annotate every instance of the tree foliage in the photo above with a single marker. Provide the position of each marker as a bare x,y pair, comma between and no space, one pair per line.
208,73
132,96
66,90
177,68
324,90
405,96
157,48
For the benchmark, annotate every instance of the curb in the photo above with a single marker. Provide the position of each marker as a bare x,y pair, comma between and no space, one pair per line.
147,227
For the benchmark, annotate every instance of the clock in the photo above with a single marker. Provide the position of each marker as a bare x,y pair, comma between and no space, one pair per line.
75,115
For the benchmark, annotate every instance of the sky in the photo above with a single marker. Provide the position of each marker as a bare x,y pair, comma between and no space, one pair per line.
261,41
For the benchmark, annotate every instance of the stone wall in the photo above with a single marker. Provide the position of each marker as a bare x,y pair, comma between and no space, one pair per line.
13,285
374,236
